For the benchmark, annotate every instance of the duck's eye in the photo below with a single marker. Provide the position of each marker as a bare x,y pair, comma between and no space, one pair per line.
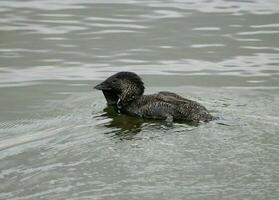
114,81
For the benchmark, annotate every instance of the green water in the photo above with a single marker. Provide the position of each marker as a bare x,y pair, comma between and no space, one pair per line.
59,141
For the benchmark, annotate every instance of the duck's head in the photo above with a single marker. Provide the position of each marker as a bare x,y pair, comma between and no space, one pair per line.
121,87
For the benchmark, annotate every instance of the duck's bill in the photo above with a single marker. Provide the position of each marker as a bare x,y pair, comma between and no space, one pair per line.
102,86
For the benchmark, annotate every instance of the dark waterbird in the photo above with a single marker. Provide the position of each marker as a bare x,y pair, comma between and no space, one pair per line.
124,91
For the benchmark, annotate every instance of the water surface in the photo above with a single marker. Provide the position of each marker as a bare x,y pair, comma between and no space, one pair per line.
59,141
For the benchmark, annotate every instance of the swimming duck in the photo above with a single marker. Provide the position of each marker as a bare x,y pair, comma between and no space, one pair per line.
124,91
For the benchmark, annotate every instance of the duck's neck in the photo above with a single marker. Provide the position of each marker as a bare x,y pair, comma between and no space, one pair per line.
122,104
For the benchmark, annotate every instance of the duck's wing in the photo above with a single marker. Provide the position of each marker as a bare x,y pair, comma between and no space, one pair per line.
184,108
156,106
169,106
172,98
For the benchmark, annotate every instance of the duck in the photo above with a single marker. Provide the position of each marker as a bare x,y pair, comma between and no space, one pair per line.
124,91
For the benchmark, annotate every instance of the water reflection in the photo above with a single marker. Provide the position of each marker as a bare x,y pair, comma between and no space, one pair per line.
126,126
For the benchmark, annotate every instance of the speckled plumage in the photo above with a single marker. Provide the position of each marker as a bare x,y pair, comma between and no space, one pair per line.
124,91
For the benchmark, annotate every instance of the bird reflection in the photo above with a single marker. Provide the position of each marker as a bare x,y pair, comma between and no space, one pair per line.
127,126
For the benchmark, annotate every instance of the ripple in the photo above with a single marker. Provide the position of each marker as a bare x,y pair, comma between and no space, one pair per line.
264,26
206,45
207,29
236,7
110,31
43,29
54,38
131,26
106,19
257,65
258,32
55,15
132,61
55,21
24,50
41,5
260,48
247,39
162,14
7,143
166,47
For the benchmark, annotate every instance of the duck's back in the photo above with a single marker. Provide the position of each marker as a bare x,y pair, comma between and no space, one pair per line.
167,104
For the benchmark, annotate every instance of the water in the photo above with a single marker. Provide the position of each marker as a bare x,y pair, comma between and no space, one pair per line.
58,140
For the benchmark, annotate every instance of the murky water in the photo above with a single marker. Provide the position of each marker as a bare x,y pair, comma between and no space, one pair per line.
58,140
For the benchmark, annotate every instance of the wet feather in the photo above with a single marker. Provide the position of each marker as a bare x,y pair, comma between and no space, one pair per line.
124,91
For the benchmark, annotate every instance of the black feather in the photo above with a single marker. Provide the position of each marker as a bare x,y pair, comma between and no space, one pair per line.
124,91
